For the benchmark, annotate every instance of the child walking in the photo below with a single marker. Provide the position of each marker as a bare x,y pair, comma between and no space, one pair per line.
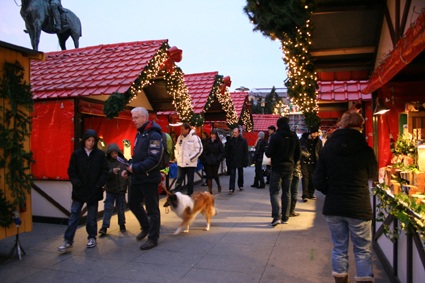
88,172
116,187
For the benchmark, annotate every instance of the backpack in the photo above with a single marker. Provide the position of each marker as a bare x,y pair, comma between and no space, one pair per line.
165,156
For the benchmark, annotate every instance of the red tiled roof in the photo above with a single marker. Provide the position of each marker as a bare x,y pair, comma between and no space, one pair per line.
95,70
342,91
262,122
199,86
238,99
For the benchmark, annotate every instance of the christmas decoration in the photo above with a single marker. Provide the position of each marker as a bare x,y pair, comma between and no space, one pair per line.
14,131
288,21
162,61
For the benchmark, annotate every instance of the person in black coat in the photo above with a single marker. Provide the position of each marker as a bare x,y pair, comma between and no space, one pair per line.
212,156
88,172
311,146
343,170
236,158
260,147
284,151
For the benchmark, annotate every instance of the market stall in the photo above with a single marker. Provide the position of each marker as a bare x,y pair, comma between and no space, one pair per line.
95,88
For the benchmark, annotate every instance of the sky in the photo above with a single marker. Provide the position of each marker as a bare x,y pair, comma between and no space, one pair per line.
214,35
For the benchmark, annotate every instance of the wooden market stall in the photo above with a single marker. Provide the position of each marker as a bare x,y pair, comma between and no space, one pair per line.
388,50
94,88
12,54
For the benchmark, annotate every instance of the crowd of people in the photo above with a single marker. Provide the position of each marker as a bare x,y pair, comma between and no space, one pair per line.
340,170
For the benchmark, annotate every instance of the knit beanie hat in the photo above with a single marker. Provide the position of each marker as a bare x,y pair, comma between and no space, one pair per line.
261,135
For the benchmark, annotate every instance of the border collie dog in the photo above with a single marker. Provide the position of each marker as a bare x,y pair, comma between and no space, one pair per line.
187,208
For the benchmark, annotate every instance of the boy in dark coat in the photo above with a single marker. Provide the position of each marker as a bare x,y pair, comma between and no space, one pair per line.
116,187
88,172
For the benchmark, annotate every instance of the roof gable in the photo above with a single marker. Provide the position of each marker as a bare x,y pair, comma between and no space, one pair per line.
95,70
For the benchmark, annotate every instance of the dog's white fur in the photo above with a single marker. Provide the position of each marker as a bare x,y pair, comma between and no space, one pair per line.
187,208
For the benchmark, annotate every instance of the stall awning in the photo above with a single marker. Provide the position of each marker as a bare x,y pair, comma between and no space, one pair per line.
407,48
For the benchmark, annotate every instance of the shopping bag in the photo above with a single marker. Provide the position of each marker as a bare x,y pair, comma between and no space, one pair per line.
266,160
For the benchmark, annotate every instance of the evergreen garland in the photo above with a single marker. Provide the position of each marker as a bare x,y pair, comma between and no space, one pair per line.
15,130
6,211
289,22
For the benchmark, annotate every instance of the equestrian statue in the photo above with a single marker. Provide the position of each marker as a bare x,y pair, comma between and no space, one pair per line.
49,16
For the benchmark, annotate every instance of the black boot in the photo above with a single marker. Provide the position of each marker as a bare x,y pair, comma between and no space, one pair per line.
255,185
292,212
262,185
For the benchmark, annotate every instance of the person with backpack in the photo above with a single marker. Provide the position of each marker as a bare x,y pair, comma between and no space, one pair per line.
144,169
187,151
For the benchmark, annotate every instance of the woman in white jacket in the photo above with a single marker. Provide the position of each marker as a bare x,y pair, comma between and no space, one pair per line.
187,151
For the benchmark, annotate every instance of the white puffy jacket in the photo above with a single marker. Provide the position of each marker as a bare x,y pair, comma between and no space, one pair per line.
188,149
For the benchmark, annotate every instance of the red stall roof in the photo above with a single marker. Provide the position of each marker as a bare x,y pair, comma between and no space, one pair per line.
342,91
238,99
94,70
263,121
199,86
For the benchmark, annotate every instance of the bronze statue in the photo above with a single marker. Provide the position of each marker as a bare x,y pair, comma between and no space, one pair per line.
49,16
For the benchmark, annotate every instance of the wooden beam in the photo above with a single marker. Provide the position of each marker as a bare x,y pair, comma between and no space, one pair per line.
322,9
343,51
405,14
390,25
397,20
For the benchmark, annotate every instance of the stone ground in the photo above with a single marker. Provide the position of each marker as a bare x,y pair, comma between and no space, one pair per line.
241,246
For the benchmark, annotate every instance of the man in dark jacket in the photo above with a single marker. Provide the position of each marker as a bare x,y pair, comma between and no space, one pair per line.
236,158
311,146
88,172
284,151
145,176
271,130
345,166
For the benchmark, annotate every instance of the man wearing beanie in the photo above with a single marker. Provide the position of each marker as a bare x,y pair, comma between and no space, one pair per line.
284,151
311,145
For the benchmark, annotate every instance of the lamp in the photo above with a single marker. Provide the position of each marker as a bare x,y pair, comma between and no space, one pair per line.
380,107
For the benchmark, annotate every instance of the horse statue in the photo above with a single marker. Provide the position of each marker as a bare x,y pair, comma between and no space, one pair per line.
38,16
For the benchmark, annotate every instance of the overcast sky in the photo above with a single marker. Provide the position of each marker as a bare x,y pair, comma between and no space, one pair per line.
214,35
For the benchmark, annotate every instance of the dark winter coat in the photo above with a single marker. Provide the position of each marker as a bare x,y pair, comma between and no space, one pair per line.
88,174
116,183
147,152
345,165
213,152
259,150
310,154
237,152
284,150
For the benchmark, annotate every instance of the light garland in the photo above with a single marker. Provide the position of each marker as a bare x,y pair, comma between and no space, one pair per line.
281,108
302,77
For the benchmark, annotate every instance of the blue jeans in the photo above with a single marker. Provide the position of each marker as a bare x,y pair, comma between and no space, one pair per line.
149,219
278,180
361,237
232,180
294,187
110,199
181,172
74,219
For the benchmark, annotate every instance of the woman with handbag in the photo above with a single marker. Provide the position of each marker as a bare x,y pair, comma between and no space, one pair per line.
260,147
213,154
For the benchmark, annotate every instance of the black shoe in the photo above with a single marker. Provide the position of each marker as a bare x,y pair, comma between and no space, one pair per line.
204,185
305,200
142,234
102,231
254,186
240,189
312,198
148,245
261,186
276,222
293,214
122,228
231,192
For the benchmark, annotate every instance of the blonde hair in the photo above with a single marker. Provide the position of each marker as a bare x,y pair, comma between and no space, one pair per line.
351,120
